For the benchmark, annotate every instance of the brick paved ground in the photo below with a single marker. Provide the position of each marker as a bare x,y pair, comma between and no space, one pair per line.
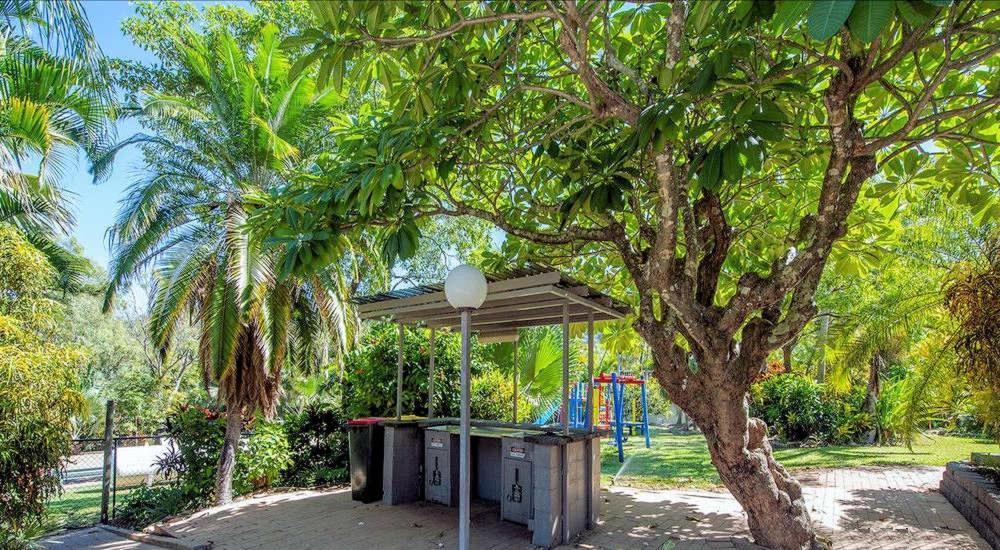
92,537
854,508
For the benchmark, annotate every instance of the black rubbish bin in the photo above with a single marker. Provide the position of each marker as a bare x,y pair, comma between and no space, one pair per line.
366,439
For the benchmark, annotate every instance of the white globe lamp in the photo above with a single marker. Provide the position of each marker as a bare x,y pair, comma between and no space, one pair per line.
465,287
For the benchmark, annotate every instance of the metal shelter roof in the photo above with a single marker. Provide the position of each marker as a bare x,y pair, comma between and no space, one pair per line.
516,298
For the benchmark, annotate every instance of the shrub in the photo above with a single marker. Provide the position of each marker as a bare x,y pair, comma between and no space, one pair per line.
318,441
371,373
986,405
146,505
38,389
262,458
850,422
197,434
794,407
491,397
196,439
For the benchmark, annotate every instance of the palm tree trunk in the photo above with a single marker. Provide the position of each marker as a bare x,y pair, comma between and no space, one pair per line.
871,396
786,353
227,459
824,331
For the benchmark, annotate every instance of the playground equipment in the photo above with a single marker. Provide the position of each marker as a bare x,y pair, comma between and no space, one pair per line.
610,409
549,412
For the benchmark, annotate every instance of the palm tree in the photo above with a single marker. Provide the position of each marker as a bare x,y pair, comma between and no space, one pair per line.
62,25
873,339
243,128
49,107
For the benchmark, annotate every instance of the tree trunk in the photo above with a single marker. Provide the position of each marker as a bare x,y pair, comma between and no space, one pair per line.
776,513
824,331
227,459
716,401
871,396
786,356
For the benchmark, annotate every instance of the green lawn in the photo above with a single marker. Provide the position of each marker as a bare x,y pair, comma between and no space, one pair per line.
78,507
75,508
682,460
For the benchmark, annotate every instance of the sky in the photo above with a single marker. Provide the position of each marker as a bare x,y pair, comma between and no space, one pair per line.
95,205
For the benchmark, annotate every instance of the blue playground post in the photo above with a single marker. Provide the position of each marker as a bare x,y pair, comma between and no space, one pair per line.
645,411
617,395
574,406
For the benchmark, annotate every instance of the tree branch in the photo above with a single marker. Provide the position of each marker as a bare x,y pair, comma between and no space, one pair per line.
446,32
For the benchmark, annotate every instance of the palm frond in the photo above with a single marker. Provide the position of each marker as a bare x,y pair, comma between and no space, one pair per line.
177,279
221,322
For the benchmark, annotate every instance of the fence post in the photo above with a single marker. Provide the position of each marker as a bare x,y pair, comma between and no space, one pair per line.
108,472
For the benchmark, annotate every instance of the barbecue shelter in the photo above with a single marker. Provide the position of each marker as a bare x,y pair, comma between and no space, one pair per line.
546,477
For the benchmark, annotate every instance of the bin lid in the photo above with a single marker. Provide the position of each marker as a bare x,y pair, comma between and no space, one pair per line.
367,421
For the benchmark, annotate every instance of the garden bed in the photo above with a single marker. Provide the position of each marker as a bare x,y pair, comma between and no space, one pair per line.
975,497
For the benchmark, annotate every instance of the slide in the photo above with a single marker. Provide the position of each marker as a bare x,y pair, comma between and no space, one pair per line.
546,417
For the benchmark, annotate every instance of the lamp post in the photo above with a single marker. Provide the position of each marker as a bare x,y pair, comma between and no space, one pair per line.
465,289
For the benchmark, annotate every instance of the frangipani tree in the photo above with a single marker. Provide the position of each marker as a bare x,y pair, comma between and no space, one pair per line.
704,158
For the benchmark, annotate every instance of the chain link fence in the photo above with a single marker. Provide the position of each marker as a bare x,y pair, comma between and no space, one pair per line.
80,501
134,461
100,472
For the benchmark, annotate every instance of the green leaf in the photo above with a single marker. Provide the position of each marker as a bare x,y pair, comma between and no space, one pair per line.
789,12
569,209
397,177
599,200
665,78
742,9
701,13
768,131
869,17
826,17
768,111
915,13
703,82
337,74
303,62
390,248
732,169
722,63
710,170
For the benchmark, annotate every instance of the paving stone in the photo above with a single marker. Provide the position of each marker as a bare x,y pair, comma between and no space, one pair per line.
890,508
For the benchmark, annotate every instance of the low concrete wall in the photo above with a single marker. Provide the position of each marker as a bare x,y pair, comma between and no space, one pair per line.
976,497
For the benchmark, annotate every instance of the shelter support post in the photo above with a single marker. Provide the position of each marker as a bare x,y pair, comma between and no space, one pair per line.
430,380
565,421
589,423
564,406
465,456
517,388
399,375
588,409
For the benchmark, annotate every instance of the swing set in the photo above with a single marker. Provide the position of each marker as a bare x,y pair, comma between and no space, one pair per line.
610,408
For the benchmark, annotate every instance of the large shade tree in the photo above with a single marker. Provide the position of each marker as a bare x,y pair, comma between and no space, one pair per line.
705,158
230,127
